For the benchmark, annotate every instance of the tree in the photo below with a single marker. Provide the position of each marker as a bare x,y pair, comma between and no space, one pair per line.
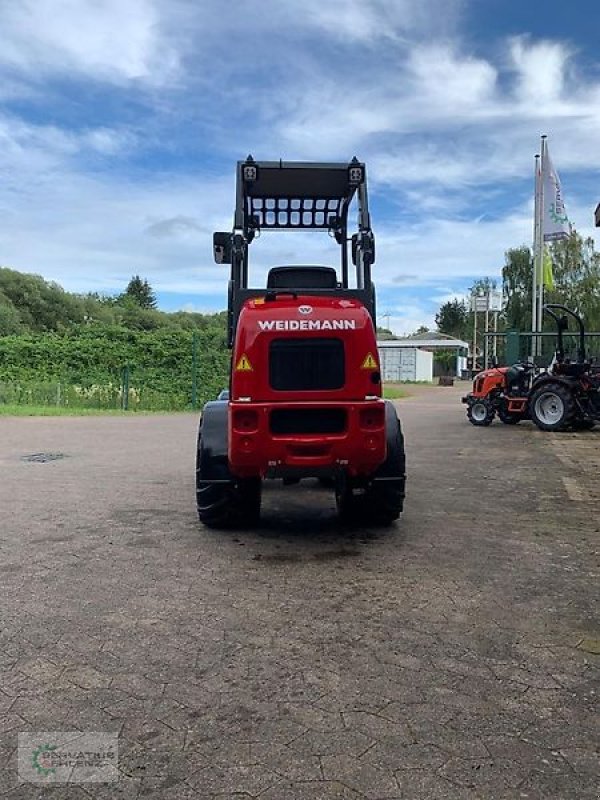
40,305
385,333
140,292
576,269
10,319
453,319
484,285
516,285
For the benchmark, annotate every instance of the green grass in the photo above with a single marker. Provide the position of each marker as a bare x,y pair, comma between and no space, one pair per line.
61,411
393,393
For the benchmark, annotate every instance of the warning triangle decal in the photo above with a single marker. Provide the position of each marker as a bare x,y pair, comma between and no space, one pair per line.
369,362
243,365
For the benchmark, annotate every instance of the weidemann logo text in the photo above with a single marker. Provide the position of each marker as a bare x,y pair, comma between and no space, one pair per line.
307,324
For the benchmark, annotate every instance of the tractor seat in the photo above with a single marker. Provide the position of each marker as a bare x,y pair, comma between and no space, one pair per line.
302,278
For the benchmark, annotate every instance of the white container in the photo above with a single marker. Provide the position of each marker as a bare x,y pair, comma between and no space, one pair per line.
400,364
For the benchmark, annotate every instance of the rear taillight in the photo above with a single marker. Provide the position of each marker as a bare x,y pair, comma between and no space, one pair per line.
371,419
245,420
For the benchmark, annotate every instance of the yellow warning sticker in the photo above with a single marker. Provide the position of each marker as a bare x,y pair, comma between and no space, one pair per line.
369,362
243,365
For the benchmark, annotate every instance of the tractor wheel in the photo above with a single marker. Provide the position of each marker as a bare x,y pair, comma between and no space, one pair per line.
480,412
378,504
507,418
380,501
326,483
349,506
552,407
580,424
227,504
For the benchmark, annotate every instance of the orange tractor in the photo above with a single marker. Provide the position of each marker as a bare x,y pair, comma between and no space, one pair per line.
502,391
566,395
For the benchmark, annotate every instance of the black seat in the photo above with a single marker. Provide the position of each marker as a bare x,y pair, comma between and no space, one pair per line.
302,278
571,369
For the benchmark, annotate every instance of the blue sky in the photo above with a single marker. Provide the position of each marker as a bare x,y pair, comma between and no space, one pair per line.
120,125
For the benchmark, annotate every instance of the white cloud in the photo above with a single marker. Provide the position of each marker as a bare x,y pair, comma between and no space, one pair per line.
32,156
91,233
107,39
541,68
448,84
431,113
372,20
108,142
405,323
448,135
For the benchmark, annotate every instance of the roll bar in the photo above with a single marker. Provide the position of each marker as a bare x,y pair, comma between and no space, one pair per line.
562,324
290,195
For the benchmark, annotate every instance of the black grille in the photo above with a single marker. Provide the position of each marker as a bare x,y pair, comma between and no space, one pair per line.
293,212
308,420
306,364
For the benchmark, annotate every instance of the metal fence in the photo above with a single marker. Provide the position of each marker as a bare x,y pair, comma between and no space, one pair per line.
125,391
129,388
513,346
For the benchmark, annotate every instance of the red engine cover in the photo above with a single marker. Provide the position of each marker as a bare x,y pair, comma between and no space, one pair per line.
348,411
304,317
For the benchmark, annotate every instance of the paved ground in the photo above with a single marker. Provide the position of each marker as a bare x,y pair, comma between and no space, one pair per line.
454,655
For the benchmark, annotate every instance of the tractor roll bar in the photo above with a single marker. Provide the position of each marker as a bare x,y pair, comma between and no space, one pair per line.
549,309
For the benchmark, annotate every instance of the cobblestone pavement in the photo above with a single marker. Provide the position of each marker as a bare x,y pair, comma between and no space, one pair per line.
454,655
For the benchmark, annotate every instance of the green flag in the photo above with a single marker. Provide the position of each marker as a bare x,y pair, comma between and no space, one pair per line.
547,276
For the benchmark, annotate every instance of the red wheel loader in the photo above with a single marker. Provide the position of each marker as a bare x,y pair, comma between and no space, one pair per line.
305,395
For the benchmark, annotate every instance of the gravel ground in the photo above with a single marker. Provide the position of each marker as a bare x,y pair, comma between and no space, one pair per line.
453,655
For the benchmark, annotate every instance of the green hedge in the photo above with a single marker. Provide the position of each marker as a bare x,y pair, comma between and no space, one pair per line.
83,366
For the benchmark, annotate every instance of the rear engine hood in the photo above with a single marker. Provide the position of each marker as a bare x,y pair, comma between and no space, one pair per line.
313,320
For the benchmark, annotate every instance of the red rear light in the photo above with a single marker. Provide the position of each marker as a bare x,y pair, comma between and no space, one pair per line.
245,420
371,418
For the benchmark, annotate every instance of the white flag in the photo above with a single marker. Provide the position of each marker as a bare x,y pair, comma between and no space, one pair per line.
556,223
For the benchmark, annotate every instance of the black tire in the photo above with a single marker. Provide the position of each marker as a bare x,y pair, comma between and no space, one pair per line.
480,413
379,501
507,418
326,483
552,407
231,504
580,424
350,505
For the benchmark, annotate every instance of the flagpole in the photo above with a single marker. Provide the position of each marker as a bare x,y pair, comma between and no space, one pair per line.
536,221
540,314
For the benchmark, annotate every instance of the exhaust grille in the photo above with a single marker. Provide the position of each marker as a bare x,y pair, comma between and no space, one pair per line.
310,364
